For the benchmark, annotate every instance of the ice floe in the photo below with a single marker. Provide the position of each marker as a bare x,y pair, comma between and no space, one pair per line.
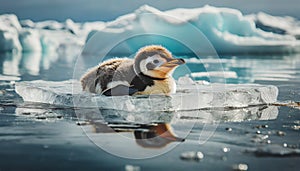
187,97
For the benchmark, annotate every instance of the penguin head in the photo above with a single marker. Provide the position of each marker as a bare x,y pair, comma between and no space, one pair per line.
155,61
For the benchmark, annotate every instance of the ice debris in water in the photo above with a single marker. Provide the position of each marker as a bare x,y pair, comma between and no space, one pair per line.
228,30
185,80
192,155
221,74
274,150
39,114
226,149
188,97
132,168
240,167
260,138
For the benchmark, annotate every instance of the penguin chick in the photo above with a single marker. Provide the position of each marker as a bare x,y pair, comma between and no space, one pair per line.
150,72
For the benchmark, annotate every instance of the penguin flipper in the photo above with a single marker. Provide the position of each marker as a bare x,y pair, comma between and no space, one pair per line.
120,90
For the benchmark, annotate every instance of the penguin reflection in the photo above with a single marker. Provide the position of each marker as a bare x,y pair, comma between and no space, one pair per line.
147,136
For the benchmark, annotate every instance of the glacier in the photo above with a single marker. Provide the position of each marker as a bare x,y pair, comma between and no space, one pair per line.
208,29
189,96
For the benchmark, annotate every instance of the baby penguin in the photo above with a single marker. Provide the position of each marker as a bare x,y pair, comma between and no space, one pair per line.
150,72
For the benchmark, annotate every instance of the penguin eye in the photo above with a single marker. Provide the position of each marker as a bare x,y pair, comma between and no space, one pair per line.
155,61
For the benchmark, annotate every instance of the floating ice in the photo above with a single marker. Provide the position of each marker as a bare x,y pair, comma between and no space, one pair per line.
132,168
240,167
39,114
274,150
223,74
187,97
192,155
228,30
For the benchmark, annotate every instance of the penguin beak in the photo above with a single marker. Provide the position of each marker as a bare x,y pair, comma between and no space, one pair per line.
174,62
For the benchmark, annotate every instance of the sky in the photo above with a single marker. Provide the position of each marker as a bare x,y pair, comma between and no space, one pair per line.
106,10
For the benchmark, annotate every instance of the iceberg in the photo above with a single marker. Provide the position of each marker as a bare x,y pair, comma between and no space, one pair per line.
43,37
208,30
200,30
188,96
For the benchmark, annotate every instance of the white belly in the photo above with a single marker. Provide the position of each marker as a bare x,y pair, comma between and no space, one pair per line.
166,87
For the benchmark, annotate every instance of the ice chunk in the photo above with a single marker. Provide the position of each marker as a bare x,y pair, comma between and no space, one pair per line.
39,114
185,80
240,167
192,155
187,97
223,74
132,168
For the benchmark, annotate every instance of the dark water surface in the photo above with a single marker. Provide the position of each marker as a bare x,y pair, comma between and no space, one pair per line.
43,137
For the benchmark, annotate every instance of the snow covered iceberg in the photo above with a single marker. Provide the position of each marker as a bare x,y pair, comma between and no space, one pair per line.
199,30
188,97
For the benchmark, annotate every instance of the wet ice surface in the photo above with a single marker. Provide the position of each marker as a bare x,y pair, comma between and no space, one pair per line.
188,96
48,137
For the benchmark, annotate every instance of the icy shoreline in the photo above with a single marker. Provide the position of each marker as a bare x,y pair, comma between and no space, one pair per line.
228,30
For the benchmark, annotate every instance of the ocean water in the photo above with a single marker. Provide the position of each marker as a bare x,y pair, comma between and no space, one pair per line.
45,137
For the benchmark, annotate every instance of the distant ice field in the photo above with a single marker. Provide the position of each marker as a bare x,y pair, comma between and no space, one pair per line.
227,30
